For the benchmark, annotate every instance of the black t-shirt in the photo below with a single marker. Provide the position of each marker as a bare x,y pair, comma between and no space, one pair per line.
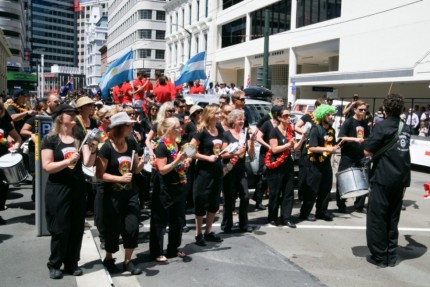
83,131
30,121
306,118
69,175
228,138
162,152
266,129
190,131
263,120
146,125
281,139
393,167
209,145
17,124
357,129
138,129
118,163
318,137
5,128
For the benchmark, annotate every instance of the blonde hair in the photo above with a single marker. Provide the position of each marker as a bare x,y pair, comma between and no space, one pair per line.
167,125
208,113
162,111
233,116
115,109
55,131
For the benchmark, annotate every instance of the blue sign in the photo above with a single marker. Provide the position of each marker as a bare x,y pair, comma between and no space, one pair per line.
45,127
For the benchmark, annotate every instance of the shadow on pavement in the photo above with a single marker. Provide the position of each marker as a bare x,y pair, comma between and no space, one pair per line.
30,219
4,237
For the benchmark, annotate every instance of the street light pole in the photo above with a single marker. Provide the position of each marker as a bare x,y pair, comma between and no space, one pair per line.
266,50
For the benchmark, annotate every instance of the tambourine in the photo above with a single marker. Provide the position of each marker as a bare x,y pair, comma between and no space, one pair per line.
189,149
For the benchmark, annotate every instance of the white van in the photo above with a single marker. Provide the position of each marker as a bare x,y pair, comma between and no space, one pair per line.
302,106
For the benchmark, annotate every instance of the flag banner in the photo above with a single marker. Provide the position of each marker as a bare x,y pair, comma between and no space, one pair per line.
68,87
119,71
194,69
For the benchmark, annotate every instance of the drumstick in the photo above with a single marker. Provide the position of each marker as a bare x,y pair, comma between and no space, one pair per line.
132,160
389,90
83,142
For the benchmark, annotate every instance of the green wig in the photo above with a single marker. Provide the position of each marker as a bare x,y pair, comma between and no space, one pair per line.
323,110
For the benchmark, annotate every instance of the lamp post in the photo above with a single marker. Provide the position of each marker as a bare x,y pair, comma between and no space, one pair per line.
40,72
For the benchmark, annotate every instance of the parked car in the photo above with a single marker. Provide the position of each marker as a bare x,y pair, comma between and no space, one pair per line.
258,93
254,111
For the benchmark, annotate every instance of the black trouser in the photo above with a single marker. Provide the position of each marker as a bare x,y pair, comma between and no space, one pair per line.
281,187
121,216
235,183
164,212
88,186
4,190
316,188
344,164
98,210
383,215
261,186
65,217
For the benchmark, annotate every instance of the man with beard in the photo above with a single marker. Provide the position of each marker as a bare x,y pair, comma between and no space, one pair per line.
319,174
390,175
353,133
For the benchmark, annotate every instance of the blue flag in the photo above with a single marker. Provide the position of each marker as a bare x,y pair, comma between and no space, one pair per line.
119,71
194,69
68,87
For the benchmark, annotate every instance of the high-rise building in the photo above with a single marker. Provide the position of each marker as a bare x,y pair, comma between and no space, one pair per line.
138,25
13,23
52,27
88,14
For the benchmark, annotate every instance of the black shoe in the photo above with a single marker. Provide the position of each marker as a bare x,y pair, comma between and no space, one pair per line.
260,206
324,216
342,210
55,273
393,260
111,266
310,217
273,223
247,229
73,270
379,263
2,221
200,240
212,237
131,268
290,224
185,229
361,210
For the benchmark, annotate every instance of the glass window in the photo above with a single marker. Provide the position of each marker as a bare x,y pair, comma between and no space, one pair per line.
159,54
161,15
144,53
145,34
315,11
160,35
228,3
145,14
233,33
279,19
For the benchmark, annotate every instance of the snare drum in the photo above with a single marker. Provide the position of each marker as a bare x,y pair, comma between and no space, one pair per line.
352,182
12,168
89,175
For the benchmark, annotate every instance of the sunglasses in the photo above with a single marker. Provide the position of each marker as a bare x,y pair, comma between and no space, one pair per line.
182,106
362,110
154,110
241,99
286,116
197,112
170,111
131,114
107,118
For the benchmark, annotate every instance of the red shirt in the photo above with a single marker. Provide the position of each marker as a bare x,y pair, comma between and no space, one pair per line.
197,90
172,90
162,94
117,95
149,87
137,83
127,90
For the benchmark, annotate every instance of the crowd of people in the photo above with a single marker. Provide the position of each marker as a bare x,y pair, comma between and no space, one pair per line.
158,130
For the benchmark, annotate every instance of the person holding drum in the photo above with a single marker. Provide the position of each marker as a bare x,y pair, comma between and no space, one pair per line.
352,133
235,181
169,198
62,159
389,177
6,131
280,169
209,173
319,174
115,165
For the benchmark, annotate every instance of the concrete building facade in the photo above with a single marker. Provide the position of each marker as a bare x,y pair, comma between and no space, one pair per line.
316,48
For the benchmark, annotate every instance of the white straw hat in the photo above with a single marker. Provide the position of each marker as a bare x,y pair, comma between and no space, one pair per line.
120,119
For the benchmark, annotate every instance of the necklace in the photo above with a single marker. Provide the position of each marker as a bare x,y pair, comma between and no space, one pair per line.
280,160
180,168
4,141
328,142
21,109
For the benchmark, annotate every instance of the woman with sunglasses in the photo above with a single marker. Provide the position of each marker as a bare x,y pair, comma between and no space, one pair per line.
280,169
353,133
116,163
209,173
235,181
168,201
62,159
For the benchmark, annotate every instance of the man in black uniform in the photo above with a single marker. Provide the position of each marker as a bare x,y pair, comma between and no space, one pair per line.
353,132
390,175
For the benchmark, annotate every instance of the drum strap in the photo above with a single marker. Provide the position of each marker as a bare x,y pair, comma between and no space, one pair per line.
390,144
